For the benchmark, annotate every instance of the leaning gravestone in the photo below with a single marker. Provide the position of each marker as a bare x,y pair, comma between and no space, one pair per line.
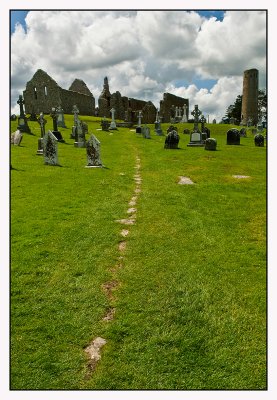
93,153
50,147
210,144
146,132
259,140
22,119
16,138
172,140
233,136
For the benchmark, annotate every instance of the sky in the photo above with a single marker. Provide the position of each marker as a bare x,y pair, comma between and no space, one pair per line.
198,55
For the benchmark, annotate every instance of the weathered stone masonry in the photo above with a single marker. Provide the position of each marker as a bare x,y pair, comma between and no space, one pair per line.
42,93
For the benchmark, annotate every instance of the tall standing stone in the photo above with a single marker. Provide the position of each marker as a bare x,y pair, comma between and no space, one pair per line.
50,145
93,153
138,128
75,112
80,138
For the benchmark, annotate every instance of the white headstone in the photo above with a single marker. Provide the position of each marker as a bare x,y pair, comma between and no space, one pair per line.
17,137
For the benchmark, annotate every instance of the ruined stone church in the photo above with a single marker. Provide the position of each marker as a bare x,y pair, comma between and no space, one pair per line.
42,93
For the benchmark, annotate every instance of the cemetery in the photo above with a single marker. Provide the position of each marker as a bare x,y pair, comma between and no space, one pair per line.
136,264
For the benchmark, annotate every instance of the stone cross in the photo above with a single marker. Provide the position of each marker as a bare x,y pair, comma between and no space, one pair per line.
93,153
196,113
112,124
157,117
80,137
203,121
42,121
184,119
60,120
20,101
54,116
50,149
75,111
139,118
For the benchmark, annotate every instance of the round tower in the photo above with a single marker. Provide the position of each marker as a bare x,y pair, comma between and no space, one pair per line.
249,107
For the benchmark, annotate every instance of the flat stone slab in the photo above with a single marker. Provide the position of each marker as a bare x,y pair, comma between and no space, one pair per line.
126,221
124,232
240,176
184,180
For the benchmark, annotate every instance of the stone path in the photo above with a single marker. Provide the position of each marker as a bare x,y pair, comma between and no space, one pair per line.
93,350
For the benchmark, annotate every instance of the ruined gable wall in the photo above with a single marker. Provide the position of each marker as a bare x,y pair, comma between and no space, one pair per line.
41,94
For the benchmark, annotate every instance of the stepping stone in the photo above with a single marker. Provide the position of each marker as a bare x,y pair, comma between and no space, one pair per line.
126,221
240,176
184,180
124,232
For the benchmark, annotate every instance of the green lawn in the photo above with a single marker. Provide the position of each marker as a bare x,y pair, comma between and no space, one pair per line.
190,294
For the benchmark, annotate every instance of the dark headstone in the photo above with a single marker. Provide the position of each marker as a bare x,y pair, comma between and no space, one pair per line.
13,117
210,144
242,132
138,129
207,131
233,137
259,140
172,140
186,131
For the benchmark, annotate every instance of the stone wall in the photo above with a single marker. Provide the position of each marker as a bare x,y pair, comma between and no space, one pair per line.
166,104
84,102
42,93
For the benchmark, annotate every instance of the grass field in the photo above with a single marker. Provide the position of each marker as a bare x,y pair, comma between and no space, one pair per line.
189,289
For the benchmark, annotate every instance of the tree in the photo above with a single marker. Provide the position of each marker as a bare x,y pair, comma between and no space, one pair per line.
234,110
262,103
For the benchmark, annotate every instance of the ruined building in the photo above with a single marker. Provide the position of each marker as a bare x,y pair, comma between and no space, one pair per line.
126,108
168,104
43,93
249,107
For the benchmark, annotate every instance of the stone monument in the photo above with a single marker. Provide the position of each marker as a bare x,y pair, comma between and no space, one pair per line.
93,153
113,124
22,119
55,131
50,146
196,135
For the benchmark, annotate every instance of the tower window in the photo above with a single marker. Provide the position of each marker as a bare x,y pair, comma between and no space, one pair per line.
35,93
45,91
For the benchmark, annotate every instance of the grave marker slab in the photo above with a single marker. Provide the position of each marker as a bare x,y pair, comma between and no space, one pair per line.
93,152
50,145
233,137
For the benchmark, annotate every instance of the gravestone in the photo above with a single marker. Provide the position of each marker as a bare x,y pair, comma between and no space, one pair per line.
214,121
75,112
186,131
210,144
207,132
233,137
80,139
113,124
172,140
146,132
260,126
105,124
16,138
55,131
184,118
22,119
259,140
50,146
60,117
33,116
254,131
242,132
93,153
13,117
42,122
138,128
196,139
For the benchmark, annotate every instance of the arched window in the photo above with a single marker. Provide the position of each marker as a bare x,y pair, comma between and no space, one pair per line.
45,91
35,93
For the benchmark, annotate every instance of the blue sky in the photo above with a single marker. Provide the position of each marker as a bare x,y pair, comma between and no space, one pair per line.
200,55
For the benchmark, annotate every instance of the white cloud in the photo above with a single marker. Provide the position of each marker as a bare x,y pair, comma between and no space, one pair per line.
143,53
